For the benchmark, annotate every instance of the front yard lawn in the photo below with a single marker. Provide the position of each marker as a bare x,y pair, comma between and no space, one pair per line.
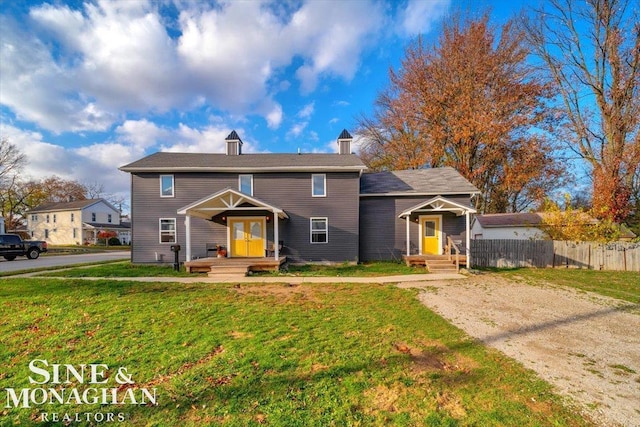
126,269
624,285
279,355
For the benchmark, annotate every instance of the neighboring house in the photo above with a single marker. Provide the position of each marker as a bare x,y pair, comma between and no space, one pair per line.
1,225
307,207
76,222
518,226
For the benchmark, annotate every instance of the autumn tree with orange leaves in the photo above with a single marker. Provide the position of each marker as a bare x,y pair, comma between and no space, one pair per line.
471,102
591,49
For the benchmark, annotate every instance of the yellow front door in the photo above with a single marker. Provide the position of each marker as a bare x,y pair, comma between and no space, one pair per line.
247,237
430,234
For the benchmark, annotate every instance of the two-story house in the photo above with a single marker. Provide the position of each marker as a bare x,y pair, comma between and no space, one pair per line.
75,222
307,207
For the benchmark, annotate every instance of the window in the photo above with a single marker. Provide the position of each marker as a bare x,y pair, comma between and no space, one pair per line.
245,184
54,217
93,217
73,218
109,218
47,218
34,217
318,185
75,232
319,230
167,230
166,186
429,229
46,233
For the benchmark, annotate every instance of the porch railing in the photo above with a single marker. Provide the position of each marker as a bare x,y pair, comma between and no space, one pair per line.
452,246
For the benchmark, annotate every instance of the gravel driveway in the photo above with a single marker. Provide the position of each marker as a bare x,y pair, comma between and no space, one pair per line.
586,345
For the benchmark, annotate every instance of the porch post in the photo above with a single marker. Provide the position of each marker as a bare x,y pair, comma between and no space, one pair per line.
468,241
276,245
408,235
187,224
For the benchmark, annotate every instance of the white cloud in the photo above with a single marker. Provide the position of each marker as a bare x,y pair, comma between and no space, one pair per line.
86,69
419,15
306,111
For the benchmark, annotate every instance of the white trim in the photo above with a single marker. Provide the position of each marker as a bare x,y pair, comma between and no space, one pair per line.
254,169
324,185
326,220
175,231
231,200
187,226
173,186
439,204
250,184
421,220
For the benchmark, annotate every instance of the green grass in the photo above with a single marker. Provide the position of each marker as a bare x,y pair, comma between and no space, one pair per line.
126,269
122,269
316,355
624,285
369,269
54,268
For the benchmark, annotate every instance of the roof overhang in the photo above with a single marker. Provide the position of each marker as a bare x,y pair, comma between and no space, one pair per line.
244,169
438,204
227,200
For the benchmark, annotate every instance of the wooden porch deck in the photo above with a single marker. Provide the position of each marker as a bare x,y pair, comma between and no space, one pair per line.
214,265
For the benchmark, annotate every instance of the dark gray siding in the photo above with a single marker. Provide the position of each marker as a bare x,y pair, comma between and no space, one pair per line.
288,191
383,234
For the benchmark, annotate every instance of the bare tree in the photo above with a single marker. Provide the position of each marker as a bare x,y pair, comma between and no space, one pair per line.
11,159
591,49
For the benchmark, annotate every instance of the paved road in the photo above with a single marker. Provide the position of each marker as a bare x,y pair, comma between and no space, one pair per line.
22,263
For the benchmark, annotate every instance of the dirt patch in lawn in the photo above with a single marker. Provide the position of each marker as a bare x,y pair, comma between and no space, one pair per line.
586,345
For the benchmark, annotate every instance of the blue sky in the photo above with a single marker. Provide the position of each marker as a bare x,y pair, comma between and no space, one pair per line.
86,87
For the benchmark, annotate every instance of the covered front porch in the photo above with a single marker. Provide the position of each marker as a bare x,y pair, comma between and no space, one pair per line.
247,228
433,242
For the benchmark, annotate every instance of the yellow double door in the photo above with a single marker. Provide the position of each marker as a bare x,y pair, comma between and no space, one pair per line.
247,237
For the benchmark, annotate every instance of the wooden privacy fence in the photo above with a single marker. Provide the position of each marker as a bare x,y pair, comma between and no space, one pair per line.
618,256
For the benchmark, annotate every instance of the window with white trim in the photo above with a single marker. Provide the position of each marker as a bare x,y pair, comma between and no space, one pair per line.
166,186
93,217
167,230
54,217
319,230
73,217
245,184
318,185
109,218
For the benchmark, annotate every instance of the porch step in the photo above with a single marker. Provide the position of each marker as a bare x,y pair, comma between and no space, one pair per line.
440,266
228,271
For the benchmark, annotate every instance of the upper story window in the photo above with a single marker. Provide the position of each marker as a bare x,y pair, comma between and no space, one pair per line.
245,184
109,218
54,217
47,217
73,217
318,185
34,217
166,186
93,217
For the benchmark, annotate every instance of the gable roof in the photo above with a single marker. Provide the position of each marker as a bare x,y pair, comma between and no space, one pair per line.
268,162
432,181
520,219
69,206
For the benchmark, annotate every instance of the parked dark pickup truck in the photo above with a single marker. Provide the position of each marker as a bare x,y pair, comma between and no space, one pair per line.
12,246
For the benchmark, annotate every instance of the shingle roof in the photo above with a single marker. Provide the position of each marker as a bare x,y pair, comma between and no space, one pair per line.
434,181
211,162
64,206
345,135
523,219
233,136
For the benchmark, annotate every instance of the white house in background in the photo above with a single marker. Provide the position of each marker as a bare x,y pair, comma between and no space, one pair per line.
519,226
1,225
77,222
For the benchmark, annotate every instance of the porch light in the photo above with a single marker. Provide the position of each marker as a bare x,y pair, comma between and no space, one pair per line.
268,218
224,219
